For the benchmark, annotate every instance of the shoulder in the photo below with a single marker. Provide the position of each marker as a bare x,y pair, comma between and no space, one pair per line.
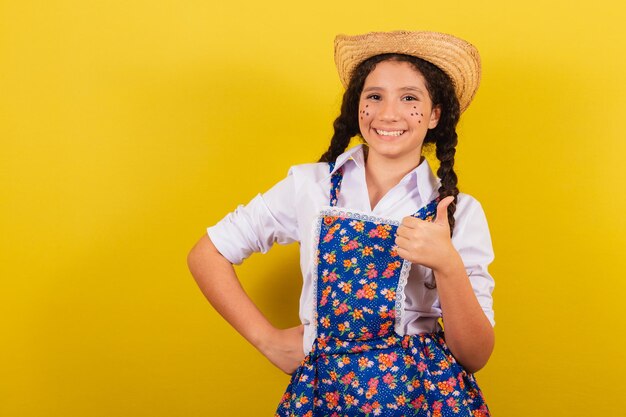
466,204
311,172
471,222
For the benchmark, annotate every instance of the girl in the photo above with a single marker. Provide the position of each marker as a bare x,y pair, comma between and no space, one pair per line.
387,248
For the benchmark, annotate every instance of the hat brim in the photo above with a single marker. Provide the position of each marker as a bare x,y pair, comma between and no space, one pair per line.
457,58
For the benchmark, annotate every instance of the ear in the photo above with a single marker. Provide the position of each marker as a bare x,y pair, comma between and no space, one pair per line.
435,114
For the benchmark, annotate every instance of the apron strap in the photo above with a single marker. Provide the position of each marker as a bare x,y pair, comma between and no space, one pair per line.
335,183
427,212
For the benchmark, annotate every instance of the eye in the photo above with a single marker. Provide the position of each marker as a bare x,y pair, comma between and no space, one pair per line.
409,98
373,97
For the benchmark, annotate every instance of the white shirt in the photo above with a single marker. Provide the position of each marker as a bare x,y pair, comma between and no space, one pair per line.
287,213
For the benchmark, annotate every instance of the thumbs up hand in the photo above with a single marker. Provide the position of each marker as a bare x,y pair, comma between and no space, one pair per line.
427,243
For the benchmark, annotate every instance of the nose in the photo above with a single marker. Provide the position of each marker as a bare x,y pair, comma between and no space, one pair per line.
388,112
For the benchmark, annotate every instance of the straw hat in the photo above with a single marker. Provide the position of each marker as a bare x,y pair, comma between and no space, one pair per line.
456,57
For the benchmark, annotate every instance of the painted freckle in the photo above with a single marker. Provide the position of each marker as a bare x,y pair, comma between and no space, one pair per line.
367,114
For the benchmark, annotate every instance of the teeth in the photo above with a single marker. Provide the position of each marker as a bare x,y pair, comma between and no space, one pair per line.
386,133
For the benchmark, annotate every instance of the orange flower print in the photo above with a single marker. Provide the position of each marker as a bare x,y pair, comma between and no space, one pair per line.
332,399
386,360
368,291
328,220
348,378
367,251
325,322
384,328
342,308
351,245
357,314
346,287
372,388
461,381
373,408
349,263
350,400
365,363
328,276
381,231
418,402
443,364
358,226
428,385
330,257
342,327
365,334
389,294
401,399
444,388
409,360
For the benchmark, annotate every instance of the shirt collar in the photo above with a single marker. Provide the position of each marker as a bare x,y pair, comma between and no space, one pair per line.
354,154
421,176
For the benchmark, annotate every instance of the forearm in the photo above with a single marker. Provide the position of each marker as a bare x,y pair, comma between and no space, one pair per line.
469,334
218,282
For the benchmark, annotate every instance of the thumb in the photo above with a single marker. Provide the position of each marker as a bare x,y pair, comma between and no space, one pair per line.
442,210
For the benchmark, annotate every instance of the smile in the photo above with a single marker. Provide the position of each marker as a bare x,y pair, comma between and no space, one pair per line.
389,133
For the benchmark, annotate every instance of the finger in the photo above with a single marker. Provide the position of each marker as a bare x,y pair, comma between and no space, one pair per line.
405,232
402,242
442,210
411,222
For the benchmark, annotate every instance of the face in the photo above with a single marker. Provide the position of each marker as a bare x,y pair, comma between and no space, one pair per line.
395,112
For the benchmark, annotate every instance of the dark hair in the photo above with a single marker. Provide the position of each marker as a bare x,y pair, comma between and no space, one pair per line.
443,136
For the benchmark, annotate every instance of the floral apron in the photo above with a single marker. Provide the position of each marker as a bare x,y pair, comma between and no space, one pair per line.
359,365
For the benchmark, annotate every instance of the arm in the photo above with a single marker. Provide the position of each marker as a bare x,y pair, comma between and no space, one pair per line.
469,333
218,282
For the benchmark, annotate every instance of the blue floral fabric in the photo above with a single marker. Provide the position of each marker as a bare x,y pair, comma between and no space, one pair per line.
359,365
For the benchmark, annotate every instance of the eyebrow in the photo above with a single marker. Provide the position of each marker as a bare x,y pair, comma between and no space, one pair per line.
408,88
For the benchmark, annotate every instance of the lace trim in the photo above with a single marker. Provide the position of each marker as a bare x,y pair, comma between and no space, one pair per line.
401,295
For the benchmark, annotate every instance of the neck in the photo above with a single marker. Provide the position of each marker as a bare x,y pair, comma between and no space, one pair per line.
382,174
388,172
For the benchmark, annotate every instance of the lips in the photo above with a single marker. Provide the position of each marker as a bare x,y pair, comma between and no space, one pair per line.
389,132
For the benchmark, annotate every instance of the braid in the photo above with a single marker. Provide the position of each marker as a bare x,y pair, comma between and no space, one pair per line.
446,150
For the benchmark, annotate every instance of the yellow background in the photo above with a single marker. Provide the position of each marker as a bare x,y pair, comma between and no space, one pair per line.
127,127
